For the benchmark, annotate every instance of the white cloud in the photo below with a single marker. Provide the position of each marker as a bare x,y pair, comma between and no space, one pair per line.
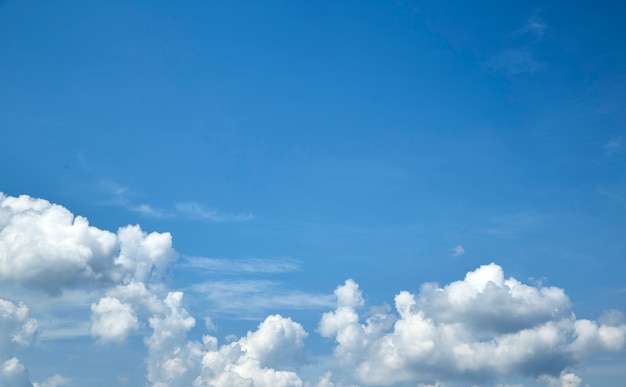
515,61
195,210
14,374
17,329
141,252
486,301
112,320
520,57
151,212
614,146
253,298
249,361
248,265
174,361
277,340
458,250
480,328
535,27
54,381
188,210
565,379
43,246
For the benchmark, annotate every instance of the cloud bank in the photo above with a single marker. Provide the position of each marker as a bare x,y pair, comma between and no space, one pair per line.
477,329
481,329
43,246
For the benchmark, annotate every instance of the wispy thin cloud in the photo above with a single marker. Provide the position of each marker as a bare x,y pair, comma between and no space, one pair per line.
249,265
253,298
519,57
614,146
119,195
151,212
188,210
195,210
535,26
514,61
458,250
116,194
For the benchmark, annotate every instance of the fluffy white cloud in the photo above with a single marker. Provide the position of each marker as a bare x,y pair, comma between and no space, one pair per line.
43,246
485,300
14,374
565,379
476,329
140,252
479,329
54,381
172,360
16,329
112,320
249,361
175,361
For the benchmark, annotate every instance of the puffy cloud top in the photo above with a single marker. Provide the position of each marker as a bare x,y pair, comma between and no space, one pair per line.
43,246
113,320
475,329
484,300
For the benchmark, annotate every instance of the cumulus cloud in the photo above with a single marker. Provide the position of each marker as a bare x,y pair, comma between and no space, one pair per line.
477,329
175,361
54,381
17,329
253,359
14,374
43,246
565,379
112,320
172,360
480,329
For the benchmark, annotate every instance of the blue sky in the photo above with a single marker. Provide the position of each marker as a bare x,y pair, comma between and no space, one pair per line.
287,147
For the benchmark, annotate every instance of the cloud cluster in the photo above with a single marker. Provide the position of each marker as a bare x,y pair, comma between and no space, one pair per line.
43,246
16,329
477,329
175,361
480,329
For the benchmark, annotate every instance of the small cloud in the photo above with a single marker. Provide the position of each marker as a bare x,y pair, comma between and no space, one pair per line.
520,57
535,26
189,210
115,193
514,62
614,146
54,381
151,212
210,326
458,250
196,211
